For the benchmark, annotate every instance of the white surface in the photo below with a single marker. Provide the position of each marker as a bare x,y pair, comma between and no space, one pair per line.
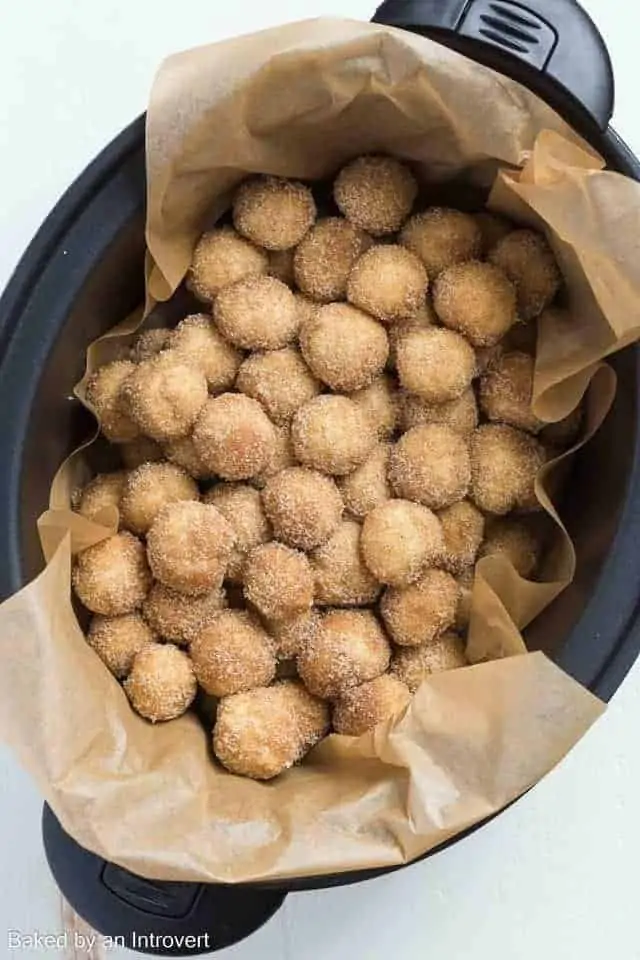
552,878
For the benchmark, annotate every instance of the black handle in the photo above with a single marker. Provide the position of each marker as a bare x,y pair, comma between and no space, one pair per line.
551,46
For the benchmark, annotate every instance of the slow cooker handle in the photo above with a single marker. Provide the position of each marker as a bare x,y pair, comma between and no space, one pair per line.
550,46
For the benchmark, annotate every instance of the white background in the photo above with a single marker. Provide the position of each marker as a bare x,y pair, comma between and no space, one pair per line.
556,876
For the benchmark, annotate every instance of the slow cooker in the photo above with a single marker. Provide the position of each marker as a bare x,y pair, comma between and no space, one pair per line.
84,271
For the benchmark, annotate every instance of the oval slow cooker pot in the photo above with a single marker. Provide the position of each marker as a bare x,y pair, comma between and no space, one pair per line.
83,272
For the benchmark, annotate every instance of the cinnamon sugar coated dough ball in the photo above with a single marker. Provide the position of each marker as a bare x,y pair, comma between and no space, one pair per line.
263,732
303,506
306,308
282,456
105,393
375,193
278,581
477,300
151,487
421,612
189,547
367,487
281,266
344,347
506,392
196,341
182,452
431,464
149,343
324,258
436,364
280,380
233,654
332,434
112,577
161,685
341,576
515,540
349,648
102,492
424,318
241,505
493,228
460,414
528,261
164,396
179,618
234,437
381,404
257,314
463,528
441,237
363,708
389,282
222,257
142,450
291,636
412,665
274,213
399,539
504,464
117,640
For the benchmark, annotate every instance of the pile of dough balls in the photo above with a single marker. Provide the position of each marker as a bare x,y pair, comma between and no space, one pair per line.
313,460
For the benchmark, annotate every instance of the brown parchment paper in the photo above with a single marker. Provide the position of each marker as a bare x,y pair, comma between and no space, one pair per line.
298,101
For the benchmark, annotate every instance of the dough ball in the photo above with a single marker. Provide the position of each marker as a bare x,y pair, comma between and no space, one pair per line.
112,577
282,456
515,540
419,613
442,237
477,300
344,347
274,213
437,364
104,491
221,258
399,539
431,464
349,648
281,266
280,380
241,506
460,414
117,640
233,654
165,395
149,343
105,393
179,618
142,450
528,261
324,258
412,665
263,732
424,318
463,613
197,342
234,437
389,282
375,193
362,708
367,487
189,547
161,685
257,314
278,581
304,507
341,576
380,402
492,228
563,434
506,392
504,464
183,453
151,487
306,308
332,434
291,636
463,528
